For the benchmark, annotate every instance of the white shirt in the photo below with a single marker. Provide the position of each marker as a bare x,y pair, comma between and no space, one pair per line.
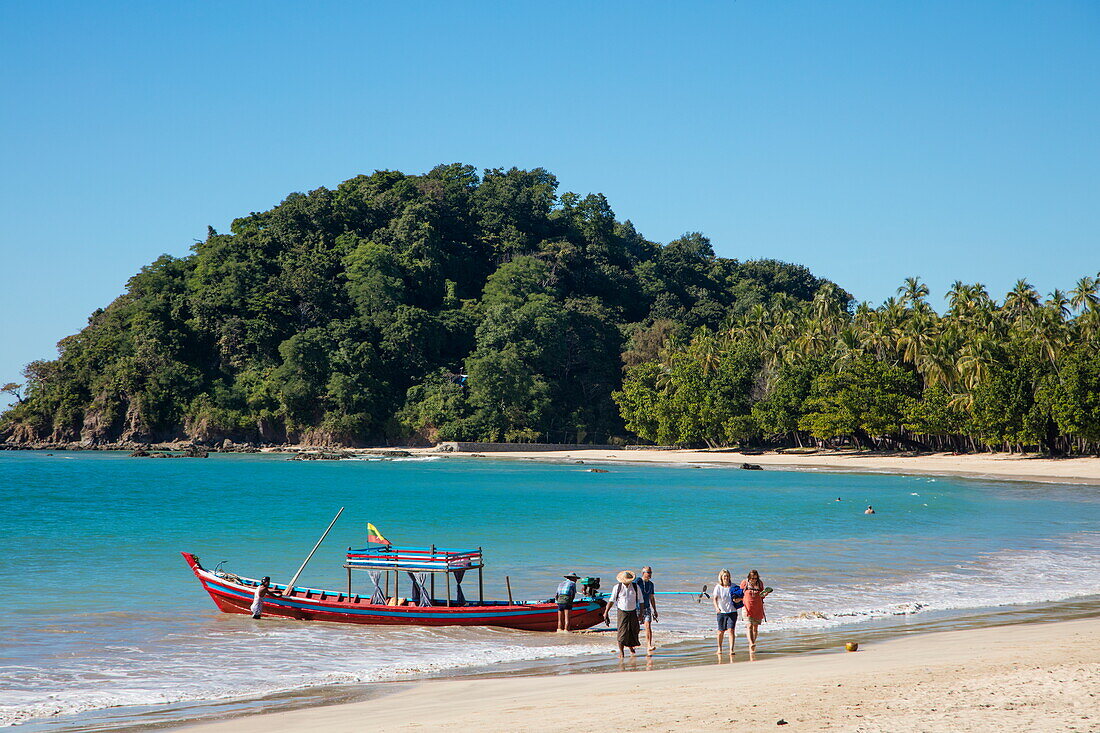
723,598
624,600
257,602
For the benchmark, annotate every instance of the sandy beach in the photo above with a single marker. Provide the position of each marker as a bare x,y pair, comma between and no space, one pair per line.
1019,467
1033,677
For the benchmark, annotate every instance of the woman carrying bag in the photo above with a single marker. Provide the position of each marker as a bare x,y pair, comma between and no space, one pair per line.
755,592
726,600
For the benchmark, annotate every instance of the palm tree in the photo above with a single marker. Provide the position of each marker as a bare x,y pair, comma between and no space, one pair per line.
957,297
1083,296
667,359
917,334
1022,299
1047,330
847,347
705,349
975,361
1058,301
1088,325
814,341
937,362
826,308
913,291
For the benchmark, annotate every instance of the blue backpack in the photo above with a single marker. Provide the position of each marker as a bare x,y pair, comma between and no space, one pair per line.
736,594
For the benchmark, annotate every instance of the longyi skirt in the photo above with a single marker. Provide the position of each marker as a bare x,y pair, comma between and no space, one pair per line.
628,628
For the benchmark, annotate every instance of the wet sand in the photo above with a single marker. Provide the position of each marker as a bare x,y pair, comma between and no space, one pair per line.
1035,677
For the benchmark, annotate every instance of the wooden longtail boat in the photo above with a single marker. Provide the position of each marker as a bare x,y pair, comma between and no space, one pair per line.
233,594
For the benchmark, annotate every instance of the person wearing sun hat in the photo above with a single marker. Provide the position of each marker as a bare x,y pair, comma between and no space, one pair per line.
567,591
625,597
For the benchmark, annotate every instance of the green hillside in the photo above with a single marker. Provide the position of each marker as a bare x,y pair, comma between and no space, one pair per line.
395,307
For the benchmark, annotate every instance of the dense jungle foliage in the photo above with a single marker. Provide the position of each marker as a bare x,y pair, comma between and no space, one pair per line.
1017,375
397,307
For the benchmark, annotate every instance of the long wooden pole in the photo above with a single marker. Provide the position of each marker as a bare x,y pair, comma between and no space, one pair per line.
290,585
508,582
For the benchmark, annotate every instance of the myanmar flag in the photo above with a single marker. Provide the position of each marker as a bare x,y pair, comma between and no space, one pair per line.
373,535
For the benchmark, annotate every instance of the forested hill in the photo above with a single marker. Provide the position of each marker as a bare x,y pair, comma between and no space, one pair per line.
396,307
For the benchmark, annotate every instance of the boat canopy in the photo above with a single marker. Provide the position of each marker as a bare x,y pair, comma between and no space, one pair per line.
416,559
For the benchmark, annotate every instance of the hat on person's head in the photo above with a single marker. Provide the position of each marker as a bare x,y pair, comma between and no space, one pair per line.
625,576
572,576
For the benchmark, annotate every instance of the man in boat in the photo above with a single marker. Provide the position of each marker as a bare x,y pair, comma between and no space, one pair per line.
647,609
567,591
262,590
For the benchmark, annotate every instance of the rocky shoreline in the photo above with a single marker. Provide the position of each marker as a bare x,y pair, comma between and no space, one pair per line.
188,449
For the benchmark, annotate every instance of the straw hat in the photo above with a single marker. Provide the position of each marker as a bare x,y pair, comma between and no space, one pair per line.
572,576
625,577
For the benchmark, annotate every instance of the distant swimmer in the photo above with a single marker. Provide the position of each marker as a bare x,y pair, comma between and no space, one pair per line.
869,510
838,498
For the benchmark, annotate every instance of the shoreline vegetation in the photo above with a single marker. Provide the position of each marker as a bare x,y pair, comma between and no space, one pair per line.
966,680
489,307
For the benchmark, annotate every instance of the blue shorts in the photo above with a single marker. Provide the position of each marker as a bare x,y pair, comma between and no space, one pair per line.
644,614
727,621
565,606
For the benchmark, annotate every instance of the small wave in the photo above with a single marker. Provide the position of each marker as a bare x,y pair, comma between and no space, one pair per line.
190,673
997,580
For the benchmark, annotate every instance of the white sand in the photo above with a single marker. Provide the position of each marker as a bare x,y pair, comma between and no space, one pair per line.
1032,677
1085,470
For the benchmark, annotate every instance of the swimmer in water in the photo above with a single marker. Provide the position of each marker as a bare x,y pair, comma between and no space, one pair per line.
869,510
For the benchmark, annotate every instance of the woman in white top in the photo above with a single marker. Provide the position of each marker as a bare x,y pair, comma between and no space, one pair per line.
726,603
625,597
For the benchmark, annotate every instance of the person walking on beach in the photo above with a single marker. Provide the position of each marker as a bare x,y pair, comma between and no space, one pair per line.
647,611
625,597
726,600
567,591
754,591
263,590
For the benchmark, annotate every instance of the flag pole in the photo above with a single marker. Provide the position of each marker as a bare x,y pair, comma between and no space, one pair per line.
290,585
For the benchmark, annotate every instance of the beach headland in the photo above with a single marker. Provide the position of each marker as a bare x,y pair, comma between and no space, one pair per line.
1034,677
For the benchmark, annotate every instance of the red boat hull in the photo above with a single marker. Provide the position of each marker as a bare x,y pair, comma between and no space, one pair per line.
236,597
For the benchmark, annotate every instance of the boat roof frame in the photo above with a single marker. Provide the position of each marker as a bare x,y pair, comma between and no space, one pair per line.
432,559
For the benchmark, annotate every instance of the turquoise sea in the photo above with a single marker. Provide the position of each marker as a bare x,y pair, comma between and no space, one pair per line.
104,626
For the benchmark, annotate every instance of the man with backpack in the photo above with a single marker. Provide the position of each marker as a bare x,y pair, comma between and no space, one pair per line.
647,611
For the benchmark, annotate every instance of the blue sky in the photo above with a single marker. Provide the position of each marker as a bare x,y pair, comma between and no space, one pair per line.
867,140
